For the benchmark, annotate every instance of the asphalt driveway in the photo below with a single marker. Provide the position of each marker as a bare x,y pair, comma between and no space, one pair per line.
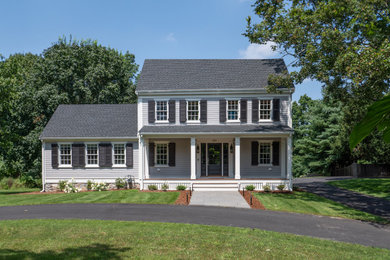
316,226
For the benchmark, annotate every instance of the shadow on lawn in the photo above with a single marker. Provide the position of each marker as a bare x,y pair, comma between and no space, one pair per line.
94,251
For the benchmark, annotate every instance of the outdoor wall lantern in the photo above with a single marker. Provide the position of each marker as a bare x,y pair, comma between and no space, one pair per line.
197,148
231,148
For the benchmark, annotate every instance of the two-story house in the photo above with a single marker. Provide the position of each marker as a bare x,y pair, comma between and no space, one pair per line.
205,124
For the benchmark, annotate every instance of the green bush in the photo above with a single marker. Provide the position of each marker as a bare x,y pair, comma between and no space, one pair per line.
267,188
89,185
165,187
250,187
100,186
152,187
281,187
181,187
120,183
62,185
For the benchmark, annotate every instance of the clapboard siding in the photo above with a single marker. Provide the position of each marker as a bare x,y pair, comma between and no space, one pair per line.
213,109
253,171
182,169
90,173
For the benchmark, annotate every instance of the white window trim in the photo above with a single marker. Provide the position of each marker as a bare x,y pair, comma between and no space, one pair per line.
227,110
59,156
193,121
86,155
155,111
271,152
271,112
155,154
113,155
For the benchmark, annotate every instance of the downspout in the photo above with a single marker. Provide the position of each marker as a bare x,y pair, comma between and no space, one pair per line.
43,167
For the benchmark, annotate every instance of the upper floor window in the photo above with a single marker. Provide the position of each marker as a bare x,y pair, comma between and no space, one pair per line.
161,154
119,154
161,110
232,110
92,154
265,108
193,110
264,153
65,154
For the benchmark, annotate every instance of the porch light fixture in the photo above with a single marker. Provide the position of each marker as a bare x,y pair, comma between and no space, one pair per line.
231,148
197,148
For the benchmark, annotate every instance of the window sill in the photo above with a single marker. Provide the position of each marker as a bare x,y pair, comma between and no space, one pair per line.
162,122
233,121
161,166
264,165
193,121
64,166
266,121
92,166
119,166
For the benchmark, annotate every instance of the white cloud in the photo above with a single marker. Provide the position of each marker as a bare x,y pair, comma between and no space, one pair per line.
259,51
170,37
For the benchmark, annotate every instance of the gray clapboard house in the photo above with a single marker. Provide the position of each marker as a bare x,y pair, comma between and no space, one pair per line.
207,124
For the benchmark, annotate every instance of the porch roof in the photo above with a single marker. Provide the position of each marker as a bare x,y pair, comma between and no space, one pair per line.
207,129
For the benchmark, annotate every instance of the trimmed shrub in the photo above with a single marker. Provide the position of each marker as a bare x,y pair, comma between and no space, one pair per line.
99,186
70,187
250,187
152,187
61,185
120,183
165,187
181,187
89,185
281,187
267,188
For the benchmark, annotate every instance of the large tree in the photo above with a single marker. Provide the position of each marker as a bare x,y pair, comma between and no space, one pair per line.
68,72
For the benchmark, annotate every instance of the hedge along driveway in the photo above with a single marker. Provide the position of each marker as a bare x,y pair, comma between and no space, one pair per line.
120,196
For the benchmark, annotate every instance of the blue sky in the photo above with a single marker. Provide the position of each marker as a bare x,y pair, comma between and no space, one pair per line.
148,29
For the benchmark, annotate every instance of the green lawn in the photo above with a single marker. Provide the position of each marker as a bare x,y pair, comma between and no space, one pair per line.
18,190
309,203
375,187
96,239
120,196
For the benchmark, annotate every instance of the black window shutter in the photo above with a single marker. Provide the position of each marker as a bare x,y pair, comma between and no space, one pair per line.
105,155
151,154
172,154
203,111
275,153
276,109
222,110
75,155
172,111
244,110
255,153
54,156
151,113
183,111
81,153
255,110
129,155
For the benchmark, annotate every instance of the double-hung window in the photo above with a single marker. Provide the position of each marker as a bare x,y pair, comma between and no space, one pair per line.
65,154
193,110
92,153
265,109
119,154
161,154
232,110
265,153
161,111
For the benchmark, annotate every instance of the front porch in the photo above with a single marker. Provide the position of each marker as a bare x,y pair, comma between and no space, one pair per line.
215,162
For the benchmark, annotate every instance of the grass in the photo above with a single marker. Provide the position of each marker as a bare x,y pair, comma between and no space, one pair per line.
18,190
374,187
309,203
120,196
97,239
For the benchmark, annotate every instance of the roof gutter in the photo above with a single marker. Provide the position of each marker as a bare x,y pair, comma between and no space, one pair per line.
210,91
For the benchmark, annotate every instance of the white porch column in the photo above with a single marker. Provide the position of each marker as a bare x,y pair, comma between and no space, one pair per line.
289,160
146,156
237,160
141,153
193,158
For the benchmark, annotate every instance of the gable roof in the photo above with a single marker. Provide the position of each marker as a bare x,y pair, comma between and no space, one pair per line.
92,120
197,74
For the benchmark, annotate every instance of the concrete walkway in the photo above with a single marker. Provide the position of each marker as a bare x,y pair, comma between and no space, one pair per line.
309,225
369,204
218,198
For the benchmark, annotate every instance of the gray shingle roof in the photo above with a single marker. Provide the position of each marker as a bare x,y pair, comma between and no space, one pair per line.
244,128
92,121
196,74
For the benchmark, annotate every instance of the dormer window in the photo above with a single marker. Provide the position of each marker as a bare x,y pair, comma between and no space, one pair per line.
193,110
232,110
265,109
162,111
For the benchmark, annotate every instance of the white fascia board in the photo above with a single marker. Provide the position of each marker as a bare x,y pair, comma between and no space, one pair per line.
88,138
232,134
211,91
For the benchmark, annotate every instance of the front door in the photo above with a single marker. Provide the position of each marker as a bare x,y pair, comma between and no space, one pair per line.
214,159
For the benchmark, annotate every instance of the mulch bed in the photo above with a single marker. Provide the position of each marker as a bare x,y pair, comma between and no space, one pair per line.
184,198
256,204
